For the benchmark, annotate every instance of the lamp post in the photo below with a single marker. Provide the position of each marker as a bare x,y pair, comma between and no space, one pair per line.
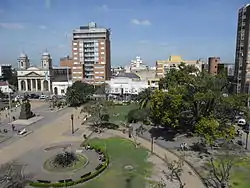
72,123
247,132
152,144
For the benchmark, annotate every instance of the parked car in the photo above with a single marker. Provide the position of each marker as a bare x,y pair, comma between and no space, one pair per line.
43,97
241,122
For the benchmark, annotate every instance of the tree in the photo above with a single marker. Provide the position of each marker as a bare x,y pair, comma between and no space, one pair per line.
186,96
79,93
166,107
98,113
144,97
176,168
220,166
136,115
11,176
64,159
210,129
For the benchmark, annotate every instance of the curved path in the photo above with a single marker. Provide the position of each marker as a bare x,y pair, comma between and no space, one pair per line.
54,132
34,161
189,175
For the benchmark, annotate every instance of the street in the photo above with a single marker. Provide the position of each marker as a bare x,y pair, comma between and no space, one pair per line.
41,110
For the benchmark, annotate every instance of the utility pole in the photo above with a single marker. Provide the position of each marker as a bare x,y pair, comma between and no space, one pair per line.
9,96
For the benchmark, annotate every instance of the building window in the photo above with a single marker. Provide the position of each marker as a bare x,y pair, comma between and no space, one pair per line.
102,42
62,91
75,58
74,48
102,53
75,44
102,48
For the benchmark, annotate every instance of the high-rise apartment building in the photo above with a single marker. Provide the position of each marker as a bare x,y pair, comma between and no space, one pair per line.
242,55
91,54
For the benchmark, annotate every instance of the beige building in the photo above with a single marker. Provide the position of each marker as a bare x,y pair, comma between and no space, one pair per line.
91,54
163,66
148,75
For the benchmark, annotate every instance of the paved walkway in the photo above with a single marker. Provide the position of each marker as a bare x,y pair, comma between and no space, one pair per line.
189,176
54,132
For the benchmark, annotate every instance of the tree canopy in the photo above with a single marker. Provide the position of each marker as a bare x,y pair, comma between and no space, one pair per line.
79,93
191,99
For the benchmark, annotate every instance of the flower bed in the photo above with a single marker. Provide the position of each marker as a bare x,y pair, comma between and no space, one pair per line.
85,177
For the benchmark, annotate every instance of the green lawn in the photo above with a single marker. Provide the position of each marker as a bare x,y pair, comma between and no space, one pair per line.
121,152
240,176
118,113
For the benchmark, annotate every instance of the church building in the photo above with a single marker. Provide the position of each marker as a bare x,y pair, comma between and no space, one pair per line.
45,79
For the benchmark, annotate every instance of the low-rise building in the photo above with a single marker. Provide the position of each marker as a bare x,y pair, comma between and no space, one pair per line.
5,87
163,66
126,84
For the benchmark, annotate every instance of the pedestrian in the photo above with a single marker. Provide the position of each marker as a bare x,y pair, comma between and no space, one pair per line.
181,146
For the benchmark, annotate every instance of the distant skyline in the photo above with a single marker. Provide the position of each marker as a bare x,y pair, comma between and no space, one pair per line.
151,29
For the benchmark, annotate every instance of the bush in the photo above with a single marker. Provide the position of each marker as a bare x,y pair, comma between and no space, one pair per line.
137,115
68,182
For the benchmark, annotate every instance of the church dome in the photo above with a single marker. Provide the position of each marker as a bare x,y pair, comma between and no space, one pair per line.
46,54
23,55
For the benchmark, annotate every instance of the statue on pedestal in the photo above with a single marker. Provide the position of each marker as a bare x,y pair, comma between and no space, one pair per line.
26,109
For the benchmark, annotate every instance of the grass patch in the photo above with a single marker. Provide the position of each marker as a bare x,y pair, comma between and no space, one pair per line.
119,113
240,175
121,153
80,163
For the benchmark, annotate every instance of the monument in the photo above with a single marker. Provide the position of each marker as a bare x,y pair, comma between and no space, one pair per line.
26,112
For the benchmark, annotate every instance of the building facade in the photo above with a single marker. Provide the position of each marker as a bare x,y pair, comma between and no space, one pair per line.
242,54
163,66
91,54
126,84
213,65
66,62
5,71
40,79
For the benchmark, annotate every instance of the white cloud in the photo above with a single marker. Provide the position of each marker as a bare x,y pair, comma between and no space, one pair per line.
11,25
140,22
43,27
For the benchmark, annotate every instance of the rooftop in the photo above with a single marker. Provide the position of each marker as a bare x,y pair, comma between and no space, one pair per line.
128,75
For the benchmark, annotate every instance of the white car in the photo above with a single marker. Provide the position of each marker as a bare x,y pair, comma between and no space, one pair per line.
43,97
22,132
241,122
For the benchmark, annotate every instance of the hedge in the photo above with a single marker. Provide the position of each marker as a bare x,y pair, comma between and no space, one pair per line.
90,175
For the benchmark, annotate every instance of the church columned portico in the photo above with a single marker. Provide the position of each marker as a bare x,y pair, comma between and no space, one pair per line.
34,85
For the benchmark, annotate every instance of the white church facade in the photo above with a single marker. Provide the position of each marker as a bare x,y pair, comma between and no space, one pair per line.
40,79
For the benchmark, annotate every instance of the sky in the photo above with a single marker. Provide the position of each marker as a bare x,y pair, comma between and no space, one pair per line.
152,29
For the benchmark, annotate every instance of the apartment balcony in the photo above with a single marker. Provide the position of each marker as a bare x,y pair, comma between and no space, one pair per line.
88,45
89,73
89,69
88,64
89,59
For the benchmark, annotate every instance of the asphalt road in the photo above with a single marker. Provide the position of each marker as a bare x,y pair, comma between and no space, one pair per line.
42,111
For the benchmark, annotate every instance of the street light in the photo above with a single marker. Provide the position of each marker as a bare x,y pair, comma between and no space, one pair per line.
247,132
72,123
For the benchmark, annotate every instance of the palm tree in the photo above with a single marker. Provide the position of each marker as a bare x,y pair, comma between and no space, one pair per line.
144,97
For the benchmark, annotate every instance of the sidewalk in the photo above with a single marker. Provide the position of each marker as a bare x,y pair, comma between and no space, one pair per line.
189,176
